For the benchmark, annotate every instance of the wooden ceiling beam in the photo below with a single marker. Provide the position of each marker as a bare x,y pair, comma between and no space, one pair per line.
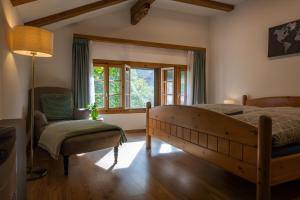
209,4
140,10
20,2
139,42
73,12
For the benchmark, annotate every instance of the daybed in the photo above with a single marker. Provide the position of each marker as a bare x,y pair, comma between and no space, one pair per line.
77,144
239,147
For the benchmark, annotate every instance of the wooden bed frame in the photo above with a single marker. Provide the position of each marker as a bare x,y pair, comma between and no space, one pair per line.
236,146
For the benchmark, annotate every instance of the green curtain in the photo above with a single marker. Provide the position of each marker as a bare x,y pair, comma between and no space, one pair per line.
199,78
81,72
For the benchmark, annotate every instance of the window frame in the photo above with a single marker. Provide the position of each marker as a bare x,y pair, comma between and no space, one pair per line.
164,85
136,65
142,68
179,70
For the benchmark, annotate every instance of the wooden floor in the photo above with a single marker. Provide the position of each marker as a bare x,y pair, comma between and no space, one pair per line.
165,173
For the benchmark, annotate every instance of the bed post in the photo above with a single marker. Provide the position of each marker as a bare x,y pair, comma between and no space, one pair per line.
116,152
66,165
244,100
263,186
148,137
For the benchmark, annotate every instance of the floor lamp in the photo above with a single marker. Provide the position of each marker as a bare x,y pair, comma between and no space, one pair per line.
34,42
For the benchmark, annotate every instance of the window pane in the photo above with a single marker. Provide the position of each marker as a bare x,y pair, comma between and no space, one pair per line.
182,100
99,87
115,73
99,101
182,82
114,87
170,99
141,87
127,101
170,88
98,73
127,74
170,75
115,101
127,88
183,87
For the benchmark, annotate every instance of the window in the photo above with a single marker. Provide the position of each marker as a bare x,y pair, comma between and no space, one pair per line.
108,86
168,86
99,85
141,87
115,87
122,86
182,86
174,85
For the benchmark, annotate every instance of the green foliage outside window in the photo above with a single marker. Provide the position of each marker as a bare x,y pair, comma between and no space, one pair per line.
98,74
141,87
115,86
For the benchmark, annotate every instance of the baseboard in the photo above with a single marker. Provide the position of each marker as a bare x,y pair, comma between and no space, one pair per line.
136,131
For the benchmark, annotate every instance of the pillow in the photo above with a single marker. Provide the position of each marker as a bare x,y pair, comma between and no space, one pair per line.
227,109
57,106
40,118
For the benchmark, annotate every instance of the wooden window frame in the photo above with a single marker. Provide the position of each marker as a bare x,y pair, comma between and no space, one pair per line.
164,85
179,70
139,65
121,80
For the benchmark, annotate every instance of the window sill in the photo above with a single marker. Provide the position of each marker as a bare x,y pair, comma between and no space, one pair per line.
118,111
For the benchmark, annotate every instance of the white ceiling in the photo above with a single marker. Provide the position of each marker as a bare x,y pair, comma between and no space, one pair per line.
190,9
42,8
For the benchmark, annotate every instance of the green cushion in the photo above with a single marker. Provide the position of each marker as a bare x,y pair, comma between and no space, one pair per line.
57,106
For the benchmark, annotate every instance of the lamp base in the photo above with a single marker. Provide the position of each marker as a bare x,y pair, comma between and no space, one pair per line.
36,173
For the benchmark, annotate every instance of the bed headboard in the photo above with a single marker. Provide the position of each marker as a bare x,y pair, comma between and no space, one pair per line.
288,101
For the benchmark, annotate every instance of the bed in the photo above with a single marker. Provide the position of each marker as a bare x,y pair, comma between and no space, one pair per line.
234,145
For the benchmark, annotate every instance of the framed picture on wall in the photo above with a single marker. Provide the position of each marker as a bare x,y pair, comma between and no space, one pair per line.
284,39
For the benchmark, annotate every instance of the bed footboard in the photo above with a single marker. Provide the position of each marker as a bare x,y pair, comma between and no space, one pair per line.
220,139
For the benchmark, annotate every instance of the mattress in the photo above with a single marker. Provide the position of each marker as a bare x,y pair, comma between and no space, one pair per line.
286,150
285,120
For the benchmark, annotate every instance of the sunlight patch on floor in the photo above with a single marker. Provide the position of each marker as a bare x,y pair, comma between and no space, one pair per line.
80,154
166,148
127,154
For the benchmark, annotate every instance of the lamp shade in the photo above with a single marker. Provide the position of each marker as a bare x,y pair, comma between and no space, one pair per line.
29,41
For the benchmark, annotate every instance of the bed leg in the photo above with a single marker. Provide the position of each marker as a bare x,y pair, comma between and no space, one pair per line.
66,165
245,97
148,136
116,151
264,154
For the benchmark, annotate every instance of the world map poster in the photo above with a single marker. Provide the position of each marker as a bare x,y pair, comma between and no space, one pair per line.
284,39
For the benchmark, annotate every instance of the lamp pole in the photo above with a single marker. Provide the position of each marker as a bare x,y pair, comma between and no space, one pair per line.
32,109
33,173
34,42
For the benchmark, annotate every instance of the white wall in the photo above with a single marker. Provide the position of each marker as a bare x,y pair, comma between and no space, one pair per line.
130,121
110,51
238,52
57,70
159,26
14,69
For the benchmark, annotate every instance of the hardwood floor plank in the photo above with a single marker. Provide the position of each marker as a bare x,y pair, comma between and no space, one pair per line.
163,173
